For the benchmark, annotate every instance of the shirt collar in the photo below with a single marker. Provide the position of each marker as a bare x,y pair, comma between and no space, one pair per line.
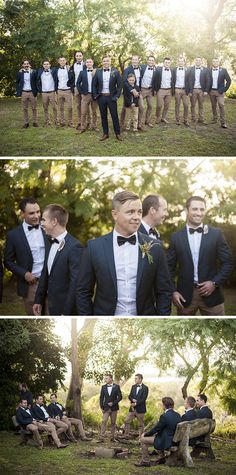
115,234
61,236
199,226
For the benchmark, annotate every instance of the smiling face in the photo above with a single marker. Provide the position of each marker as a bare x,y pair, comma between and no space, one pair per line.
137,380
106,62
40,400
62,62
78,56
195,213
215,62
48,223
198,62
127,217
31,214
24,403
159,215
46,65
135,61
108,379
26,65
89,63
167,63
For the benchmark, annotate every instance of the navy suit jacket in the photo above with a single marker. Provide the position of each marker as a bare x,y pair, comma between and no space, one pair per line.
204,79
205,412
186,79
18,257
141,397
20,82
153,285
164,430
157,75
130,70
115,84
28,396
224,80
54,411
38,78
115,398
213,250
190,415
71,78
23,418
143,230
60,286
82,82
38,413
128,96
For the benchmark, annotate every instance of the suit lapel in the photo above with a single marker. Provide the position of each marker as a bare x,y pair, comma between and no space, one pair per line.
141,261
58,253
204,241
109,253
186,243
25,240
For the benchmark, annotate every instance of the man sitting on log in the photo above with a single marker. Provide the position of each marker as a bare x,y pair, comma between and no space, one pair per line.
204,410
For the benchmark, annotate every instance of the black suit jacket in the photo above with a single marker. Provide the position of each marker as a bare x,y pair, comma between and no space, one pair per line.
20,82
115,398
128,96
38,413
60,285
224,80
153,285
164,430
205,412
143,230
23,418
130,70
82,81
115,84
39,73
213,250
18,257
204,79
186,79
70,82
54,411
141,397
190,415
28,396
157,75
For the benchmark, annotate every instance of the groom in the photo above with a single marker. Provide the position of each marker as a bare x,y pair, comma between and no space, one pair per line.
128,268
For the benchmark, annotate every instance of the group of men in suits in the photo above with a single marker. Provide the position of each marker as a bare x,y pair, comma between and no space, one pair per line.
56,275
103,87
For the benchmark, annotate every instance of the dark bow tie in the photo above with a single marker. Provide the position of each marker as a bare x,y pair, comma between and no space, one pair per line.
26,71
62,67
181,69
89,70
151,69
78,62
197,68
167,69
121,240
53,240
106,70
35,226
197,230
109,385
154,232
215,69
46,70
136,68
138,385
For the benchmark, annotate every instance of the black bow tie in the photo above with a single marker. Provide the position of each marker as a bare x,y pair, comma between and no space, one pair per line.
138,68
46,70
197,230
138,385
215,69
197,68
109,385
154,232
121,240
167,69
36,226
151,69
62,67
106,70
54,240
26,71
89,70
181,69
78,62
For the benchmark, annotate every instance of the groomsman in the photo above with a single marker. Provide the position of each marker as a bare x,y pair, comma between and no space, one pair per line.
84,86
76,69
190,411
107,86
197,250
199,86
181,88
58,281
163,88
44,421
26,89
46,86
26,420
134,68
137,397
147,73
110,396
64,82
219,83
154,214
25,251
204,410
129,263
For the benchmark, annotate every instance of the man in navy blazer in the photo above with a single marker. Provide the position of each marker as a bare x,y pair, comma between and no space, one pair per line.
197,250
26,89
131,265
133,68
163,88
107,86
219,83
58,281
46,86
204,410
190,411
25,419
64,84
78,66
85,87
137,396
44,421
25,252
199,86
161,435
155,211
110,396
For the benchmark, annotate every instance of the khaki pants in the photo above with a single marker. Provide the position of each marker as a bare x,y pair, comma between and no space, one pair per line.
106,415
76,422
197,97
49,98
27,98
180,95
61,426
140,112
146,93
86,101
198,303
131,416
163,99
145,442
50,428
78,99
65,97
131,117
217,98
35,431
29,299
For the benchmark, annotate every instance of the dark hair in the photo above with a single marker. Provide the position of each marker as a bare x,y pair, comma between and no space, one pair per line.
58,212
123,196
23,385
131,75
25,201
194,198
203,397
168,402
23,399
109,374
191,401
149,202
38,395
46,60
139,375
53,394
167,58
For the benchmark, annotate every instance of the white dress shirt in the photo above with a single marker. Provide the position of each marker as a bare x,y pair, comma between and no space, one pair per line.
138,389
147,227
109,389
197,84
44,411
53,251
147,78
63,77
89,77
106,80
166,79
27,84
194,244
77,69
215,75
47,81
36,243
180,78
126,264
137,75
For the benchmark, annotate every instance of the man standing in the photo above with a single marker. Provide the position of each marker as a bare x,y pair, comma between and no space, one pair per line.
134,68
181,88
44,421
163,88
196,250
64,82
84,87
219,83
76,69
26,420
154,214
199,86
26,394
147,73
190,411
130,264
204,410
59,276
110,396
107,88
26,89
25,252
137,397
46,85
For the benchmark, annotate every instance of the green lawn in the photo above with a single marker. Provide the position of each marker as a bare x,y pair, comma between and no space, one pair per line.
162,140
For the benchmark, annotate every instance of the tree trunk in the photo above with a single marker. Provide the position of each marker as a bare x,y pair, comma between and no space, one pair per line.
74,395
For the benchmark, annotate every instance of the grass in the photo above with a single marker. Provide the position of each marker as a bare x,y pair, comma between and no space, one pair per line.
18,459
162,140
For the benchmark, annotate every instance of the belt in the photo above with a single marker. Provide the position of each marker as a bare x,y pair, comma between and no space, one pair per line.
180,88
165,88
198,88
146,87
105,94
23,90
64,90
48,92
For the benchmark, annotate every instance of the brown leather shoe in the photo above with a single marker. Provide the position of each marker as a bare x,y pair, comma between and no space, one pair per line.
62,446
25,126
81,131
142,128
142,464
165,121
118,137
224,126
104,137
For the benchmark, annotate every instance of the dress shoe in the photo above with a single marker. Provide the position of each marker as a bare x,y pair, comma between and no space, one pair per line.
149,124
63,125
160,461
71,125
62,446
177,122
224,126
25,126
142,464
142,128
86,439
81,131
118,137
35,124
104,137
186,124
165,121
214,121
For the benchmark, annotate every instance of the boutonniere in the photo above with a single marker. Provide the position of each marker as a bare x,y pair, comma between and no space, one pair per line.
145,248
205,229
61,245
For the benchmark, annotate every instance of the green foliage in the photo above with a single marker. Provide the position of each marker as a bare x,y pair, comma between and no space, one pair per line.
226,431
231,93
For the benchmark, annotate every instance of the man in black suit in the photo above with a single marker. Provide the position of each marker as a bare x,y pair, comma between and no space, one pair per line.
25,252
107,86
199,86
161,435
64,84
155,211
44,421
219,83
197,250
137,396
26,394
110,396
180,76
146,81
132,265
57,410
133,68
58,281
163,88
24,417
84,86
76,68
204,410
46,86
190,411
26,89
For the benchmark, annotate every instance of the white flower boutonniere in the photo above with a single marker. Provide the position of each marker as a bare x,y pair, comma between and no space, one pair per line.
145,248
205,229
61,245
